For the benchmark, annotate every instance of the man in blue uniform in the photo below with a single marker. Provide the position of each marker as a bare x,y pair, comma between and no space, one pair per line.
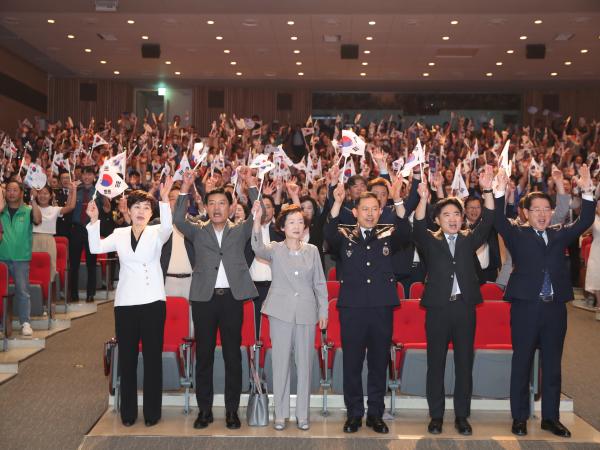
367,298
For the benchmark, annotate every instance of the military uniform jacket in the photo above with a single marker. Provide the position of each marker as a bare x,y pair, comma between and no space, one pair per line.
364,267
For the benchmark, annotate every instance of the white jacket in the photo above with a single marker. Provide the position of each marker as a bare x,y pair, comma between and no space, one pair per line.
140,276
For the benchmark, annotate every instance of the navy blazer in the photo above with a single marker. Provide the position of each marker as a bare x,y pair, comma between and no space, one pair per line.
531,256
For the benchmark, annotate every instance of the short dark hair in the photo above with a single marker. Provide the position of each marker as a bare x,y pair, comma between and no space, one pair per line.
218,191
139,196
18,183
437,209
366,195
354,179
88,169
377,182
473,199
270,198
529,198
286,210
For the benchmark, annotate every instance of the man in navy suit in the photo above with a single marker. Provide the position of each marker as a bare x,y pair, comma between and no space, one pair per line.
539,287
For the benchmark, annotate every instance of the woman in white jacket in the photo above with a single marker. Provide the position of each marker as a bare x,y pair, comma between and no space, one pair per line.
140,306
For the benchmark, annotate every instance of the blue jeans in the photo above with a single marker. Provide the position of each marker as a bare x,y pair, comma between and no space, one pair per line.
19,271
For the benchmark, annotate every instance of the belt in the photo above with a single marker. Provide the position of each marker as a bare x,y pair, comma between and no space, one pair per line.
455,297
179,275
547,298
222,291
415,264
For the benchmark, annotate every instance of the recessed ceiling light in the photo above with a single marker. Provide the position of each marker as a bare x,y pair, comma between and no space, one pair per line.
233,63
71,36
584,50
116,72
131,22
167,62
431,64
372,22
537,21
210,22
51,21
239,74
510,52
144,37
367,52
177,73
219,38
364,63
290,22
301,73
454,22
499,63
296,51
523,37
553,74
369,38
568,63
294,38
425,74
363,74
88,50
226,51
298,63
446,38
489,74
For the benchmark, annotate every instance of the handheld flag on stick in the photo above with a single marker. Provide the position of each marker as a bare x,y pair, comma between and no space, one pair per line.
109,183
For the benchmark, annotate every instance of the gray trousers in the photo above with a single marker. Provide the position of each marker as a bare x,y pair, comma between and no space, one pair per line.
287,337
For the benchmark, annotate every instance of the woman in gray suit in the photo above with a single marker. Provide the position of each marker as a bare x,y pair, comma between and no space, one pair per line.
296,301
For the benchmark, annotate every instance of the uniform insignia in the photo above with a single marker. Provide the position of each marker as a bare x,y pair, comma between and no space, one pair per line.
348,253
386,250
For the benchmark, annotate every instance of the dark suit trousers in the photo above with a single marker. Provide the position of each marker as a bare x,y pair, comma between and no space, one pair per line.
365,330
453,322
536,324
132,323
77,242
263,289
223,313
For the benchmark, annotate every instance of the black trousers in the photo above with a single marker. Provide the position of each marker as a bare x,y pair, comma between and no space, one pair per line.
132,323
454,322
78,240
536,324
365,330
263,289
223,313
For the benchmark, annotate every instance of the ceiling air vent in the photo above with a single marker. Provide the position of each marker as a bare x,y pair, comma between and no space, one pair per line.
107,5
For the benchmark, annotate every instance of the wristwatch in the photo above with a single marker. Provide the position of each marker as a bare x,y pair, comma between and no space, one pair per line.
488,191
399,202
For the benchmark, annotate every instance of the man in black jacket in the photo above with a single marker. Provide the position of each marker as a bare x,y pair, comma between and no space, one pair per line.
451,293
487,258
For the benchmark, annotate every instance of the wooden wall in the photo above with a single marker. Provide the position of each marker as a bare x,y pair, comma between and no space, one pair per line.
572,102
246,101
113,98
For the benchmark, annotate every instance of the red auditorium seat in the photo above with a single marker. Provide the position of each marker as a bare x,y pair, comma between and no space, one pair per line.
491,291
416,290
333,290
493,326
61,240
332,275
4,312
400,289
62,262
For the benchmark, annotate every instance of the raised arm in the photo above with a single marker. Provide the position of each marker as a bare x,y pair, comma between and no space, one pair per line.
71,199
501,223
260,249
419,223
330,232
562,199
166,219
98,245
181,206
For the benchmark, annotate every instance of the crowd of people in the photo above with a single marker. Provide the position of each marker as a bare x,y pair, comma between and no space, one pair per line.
263,211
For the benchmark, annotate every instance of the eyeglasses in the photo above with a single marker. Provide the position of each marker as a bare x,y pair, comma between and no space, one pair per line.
541,210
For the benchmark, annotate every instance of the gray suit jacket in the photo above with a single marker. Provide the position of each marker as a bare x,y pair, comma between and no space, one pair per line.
208,254
298,292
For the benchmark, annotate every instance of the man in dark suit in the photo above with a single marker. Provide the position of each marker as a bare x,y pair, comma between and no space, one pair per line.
451,293
539,287
220,283
488,255
61,194
367,298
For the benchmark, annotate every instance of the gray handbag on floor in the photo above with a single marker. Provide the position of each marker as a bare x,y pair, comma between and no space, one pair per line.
257,413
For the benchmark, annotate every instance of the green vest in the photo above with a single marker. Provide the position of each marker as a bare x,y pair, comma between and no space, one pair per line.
17,235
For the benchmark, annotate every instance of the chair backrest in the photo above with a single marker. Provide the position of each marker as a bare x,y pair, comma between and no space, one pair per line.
248,322
491,291
62,257
3,287
39,270
409,323
400,289
61,240
416,290
493,324
333,290
585,250
176,323
332,275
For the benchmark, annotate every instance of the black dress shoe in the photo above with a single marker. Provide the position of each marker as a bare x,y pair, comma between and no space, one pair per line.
151,423
352,424
232,421
519,427
89,299
463,426
203,419
555,427
128,423
435,426
377,424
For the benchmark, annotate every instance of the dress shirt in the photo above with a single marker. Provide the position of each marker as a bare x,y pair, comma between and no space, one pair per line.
260,269
222,282
455,286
